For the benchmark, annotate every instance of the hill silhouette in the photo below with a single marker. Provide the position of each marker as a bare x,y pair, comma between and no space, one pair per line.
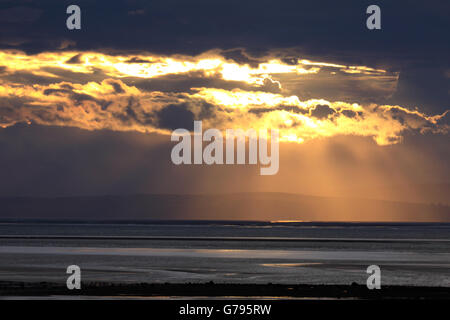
238,206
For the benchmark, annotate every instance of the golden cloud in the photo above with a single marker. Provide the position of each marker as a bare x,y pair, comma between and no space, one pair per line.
112,102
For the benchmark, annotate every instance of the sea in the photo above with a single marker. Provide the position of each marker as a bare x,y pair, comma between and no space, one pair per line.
285,252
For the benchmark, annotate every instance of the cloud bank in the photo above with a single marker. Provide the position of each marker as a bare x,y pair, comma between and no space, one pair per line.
156,93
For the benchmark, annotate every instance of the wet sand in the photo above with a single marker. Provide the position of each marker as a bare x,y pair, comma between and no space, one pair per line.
104,290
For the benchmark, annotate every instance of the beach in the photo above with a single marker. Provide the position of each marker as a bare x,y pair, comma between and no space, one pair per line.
224,253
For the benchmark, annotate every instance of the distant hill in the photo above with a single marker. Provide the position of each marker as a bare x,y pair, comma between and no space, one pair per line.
239,206
437,193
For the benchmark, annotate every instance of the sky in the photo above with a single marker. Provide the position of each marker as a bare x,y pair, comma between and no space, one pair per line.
360,113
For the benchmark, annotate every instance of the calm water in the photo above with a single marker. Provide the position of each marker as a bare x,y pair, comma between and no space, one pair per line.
238,252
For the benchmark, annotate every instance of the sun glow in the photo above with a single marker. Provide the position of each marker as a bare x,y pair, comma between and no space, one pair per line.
111,100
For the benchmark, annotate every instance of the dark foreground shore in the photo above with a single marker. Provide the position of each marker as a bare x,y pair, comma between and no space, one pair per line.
102,289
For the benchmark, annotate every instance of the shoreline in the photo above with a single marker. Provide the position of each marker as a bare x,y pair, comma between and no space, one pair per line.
88,290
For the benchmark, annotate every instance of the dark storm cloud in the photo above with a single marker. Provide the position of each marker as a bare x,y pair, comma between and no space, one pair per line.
414,29
176,116
136,12
322,111
413,34
427,88
20,15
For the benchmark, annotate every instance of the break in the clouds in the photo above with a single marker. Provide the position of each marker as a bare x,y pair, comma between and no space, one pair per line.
159,93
